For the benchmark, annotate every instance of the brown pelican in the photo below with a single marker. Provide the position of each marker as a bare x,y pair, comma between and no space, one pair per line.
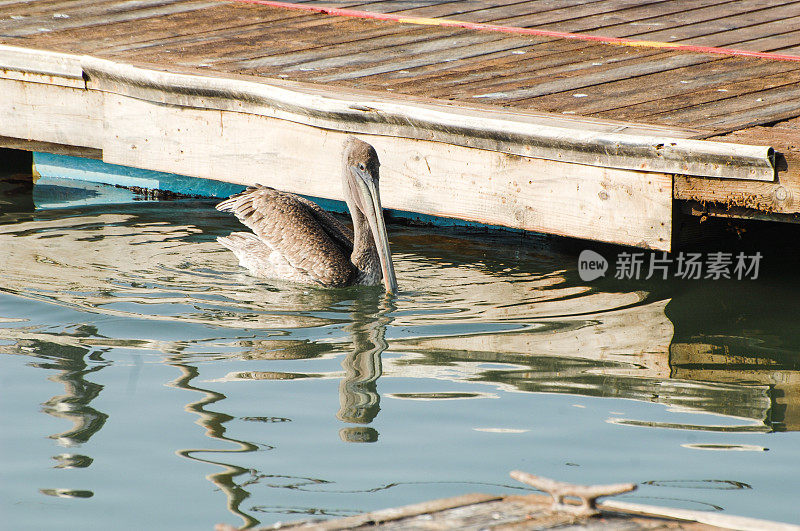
295,239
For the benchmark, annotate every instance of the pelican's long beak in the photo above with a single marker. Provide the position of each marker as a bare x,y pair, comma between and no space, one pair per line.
374,215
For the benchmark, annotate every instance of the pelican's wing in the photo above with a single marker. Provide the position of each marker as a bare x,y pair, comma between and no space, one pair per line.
289,226
337,230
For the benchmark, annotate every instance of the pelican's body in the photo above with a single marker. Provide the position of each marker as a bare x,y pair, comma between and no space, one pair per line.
295,239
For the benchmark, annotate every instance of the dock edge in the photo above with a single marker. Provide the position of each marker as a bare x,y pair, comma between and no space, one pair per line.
499,132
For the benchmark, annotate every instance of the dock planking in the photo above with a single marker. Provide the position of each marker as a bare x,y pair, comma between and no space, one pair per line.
568,506
446,63
265,41
678,90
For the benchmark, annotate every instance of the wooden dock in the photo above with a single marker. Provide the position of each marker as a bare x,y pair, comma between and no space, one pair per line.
595,119
560,510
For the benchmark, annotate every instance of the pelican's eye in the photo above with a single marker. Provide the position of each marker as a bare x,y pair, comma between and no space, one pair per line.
362,167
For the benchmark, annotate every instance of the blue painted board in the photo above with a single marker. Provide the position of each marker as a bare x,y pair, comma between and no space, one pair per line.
67,167
97,171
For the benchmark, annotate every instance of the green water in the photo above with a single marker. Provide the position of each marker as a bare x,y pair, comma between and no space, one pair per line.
147,380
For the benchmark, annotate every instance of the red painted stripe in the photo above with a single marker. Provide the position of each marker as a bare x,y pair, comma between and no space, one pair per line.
339,12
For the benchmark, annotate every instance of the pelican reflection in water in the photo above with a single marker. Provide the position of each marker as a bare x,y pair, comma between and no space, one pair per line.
295,239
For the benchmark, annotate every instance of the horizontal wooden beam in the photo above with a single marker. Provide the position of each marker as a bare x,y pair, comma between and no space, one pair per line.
247,142
41,66
501,132
618,206
778,200
55,114
723,210
50,147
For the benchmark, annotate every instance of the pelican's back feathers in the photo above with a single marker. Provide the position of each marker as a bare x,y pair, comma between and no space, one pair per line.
297,233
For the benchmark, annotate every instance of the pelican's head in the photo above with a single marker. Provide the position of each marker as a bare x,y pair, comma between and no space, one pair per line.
361,179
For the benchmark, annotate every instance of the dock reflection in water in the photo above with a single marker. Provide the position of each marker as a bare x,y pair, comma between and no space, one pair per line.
494,347
74,405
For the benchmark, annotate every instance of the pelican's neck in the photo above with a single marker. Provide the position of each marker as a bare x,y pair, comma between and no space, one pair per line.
365,255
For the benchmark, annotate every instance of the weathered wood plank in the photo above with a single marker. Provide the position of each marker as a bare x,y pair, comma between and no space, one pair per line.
221,20
664,14
315,38
23,11
621,206
672,101
351,37
536,66
490,11
480,110
536,57
409,511
475,512
716,89
376,51
784,43
328,41
521,90
735,110
494,131
528,59
98,16
725,521
732,23
393,6
794,50
258,26
780,197
218,34
38,66
675,89
430,52
455,9
761,116
51,113
770,36
485,64
726,104
562,11
50,147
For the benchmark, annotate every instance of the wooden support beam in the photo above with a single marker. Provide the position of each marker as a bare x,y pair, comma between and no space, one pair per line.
619,206
778,200
628,207
51,113
491,131
20,144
